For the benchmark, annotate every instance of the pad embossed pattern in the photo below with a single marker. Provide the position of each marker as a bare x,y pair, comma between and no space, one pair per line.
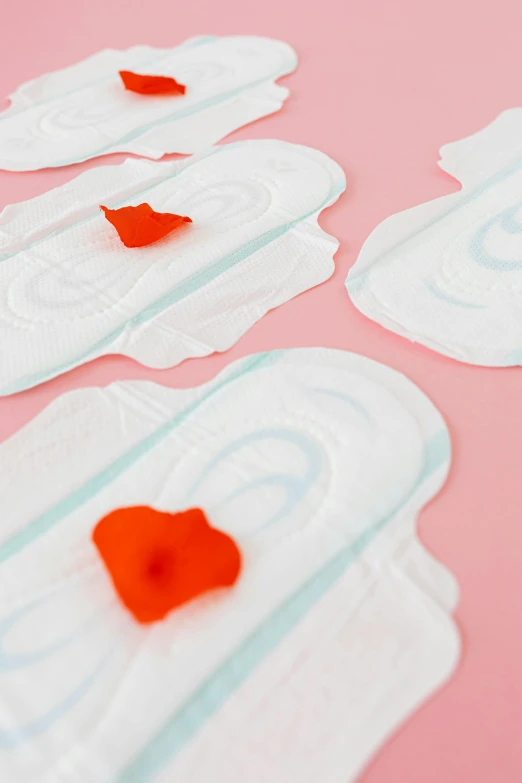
70,291
317,462
84,111
448,274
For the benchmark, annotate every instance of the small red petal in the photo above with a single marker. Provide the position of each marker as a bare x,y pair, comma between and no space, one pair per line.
146,84
158,561
140,226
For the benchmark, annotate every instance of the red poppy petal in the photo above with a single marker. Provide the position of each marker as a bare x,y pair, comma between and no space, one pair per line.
158,561
146,84
140,226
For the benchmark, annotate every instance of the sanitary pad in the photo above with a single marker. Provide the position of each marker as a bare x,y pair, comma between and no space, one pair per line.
316,462
70,291
84,111
448,273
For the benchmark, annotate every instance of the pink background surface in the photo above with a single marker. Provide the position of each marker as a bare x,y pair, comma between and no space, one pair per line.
380,86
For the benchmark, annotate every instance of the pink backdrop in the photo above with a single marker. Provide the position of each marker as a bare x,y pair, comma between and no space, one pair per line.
380,86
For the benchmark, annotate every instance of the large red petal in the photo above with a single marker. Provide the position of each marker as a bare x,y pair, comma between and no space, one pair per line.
140,226
158,561
146,84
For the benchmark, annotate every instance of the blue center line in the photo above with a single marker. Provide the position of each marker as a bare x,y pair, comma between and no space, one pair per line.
182,113
182,290
57,513
179,114
198,41
358,278
184,165
202,705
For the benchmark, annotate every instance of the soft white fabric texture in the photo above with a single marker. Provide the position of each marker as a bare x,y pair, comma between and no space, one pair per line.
448,273
317,462
70,291
84,110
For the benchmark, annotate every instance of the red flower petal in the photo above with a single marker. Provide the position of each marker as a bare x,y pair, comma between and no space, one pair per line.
140,226
158,561
151,85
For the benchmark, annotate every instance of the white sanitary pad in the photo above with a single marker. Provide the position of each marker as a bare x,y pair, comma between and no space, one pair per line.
317,462
448,273
84,111
70,291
